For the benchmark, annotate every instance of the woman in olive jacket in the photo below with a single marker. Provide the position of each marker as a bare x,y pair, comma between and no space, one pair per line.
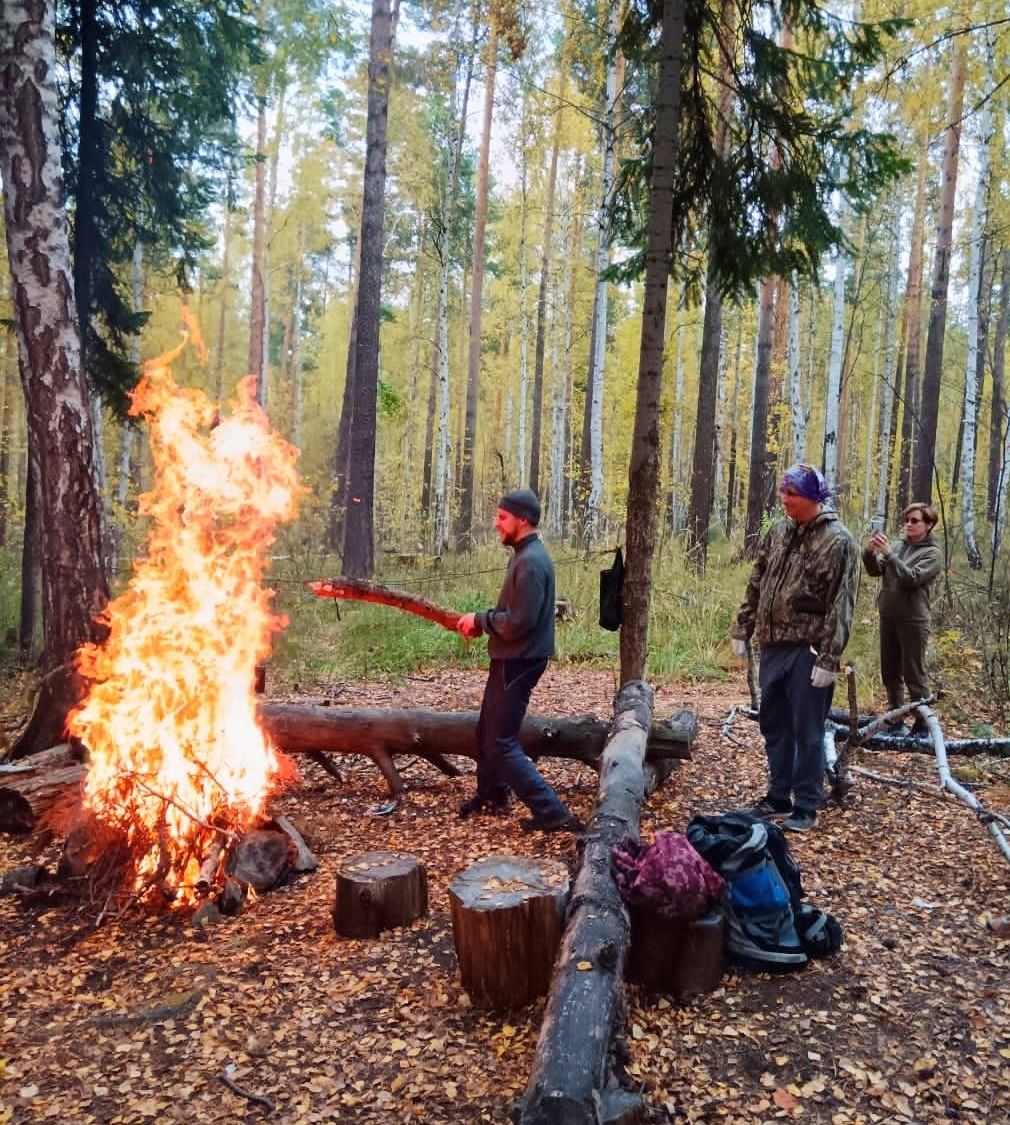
907,568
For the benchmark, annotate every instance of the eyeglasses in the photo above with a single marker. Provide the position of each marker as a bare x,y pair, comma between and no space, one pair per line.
913,519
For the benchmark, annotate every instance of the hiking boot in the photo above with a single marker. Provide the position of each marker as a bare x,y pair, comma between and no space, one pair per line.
894,728
769,809
800,821
920,729
484,806
555,822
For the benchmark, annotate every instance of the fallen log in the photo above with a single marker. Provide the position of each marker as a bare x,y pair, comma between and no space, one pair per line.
433,735
569,1083
33,788
39,785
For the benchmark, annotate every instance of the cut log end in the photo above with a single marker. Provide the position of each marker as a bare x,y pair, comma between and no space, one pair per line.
507,921
379,891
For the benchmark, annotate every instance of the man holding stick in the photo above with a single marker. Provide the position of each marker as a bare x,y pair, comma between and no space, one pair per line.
520,632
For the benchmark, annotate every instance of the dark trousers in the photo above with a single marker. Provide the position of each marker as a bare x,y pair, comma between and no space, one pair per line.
792,717
903,661
501,763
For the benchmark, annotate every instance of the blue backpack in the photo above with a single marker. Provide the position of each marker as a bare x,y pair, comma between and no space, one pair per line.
768,926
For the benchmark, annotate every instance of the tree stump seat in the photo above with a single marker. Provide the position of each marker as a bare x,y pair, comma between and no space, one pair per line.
677,957
379,891
508,917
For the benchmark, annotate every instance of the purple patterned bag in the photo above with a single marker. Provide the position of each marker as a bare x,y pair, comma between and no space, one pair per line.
667,876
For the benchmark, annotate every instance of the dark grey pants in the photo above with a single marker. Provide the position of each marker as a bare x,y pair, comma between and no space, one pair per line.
792,717
903,660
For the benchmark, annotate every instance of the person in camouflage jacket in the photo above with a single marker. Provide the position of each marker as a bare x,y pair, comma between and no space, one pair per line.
798,606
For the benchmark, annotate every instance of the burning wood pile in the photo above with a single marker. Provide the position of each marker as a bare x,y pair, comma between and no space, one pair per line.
178,767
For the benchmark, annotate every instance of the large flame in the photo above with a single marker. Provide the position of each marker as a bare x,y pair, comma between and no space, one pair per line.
177,759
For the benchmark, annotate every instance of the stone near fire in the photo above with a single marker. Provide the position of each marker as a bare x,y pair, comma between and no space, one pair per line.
379,891
262,859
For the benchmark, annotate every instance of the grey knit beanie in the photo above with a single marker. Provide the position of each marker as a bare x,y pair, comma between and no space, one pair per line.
522,502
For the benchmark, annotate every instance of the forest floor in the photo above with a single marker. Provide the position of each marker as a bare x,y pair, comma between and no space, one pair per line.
137,1020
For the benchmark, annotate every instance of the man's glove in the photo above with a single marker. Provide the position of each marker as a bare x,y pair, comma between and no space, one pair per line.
821,677
739,648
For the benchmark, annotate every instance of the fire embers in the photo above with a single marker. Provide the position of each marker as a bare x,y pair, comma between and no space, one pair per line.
177,759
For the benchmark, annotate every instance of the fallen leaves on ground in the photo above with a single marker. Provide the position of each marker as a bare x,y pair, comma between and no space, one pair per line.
143,1018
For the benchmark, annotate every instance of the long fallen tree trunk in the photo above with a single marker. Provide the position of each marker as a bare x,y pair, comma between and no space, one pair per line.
569,1082
38,784
432,735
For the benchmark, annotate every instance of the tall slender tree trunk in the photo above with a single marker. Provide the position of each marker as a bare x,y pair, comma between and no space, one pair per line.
997,412
798,412
923,466
257,292
835,360
760,477
889,378
359,531
547,248
909,386
465,520
699,514
643,473
592,429
88,164
60,439
973,369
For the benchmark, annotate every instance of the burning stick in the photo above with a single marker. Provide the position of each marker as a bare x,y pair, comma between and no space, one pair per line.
362,591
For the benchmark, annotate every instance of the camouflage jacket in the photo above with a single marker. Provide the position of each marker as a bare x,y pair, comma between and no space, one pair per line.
802,588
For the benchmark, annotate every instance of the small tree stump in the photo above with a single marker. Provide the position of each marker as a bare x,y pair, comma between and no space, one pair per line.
378,891
683,958
507,920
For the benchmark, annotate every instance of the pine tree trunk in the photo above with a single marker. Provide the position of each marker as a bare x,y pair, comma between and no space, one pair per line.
464,523
359,540
643,474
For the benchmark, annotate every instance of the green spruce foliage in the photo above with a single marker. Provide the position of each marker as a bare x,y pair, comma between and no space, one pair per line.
766,208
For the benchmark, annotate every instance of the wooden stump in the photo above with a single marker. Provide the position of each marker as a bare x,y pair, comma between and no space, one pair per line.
683,958
377,891
507,920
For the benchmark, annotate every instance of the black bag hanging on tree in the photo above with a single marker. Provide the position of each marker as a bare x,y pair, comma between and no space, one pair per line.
611,584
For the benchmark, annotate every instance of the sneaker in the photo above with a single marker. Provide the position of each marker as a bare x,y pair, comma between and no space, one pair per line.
769,809
800,821
556,822
484,806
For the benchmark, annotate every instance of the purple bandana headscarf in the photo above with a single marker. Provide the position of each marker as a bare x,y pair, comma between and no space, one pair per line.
808,482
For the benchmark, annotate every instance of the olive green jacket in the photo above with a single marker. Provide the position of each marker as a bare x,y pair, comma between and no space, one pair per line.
908,574
802,588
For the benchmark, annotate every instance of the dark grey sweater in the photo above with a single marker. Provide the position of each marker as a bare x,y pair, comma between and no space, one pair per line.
521,626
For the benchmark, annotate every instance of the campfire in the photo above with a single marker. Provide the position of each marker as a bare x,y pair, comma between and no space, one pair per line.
178,766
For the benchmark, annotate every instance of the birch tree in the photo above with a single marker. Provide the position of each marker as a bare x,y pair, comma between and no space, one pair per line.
60,438
798,412
971,380
836,355
925,452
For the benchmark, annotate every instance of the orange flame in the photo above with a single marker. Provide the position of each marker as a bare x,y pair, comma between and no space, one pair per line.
176,754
